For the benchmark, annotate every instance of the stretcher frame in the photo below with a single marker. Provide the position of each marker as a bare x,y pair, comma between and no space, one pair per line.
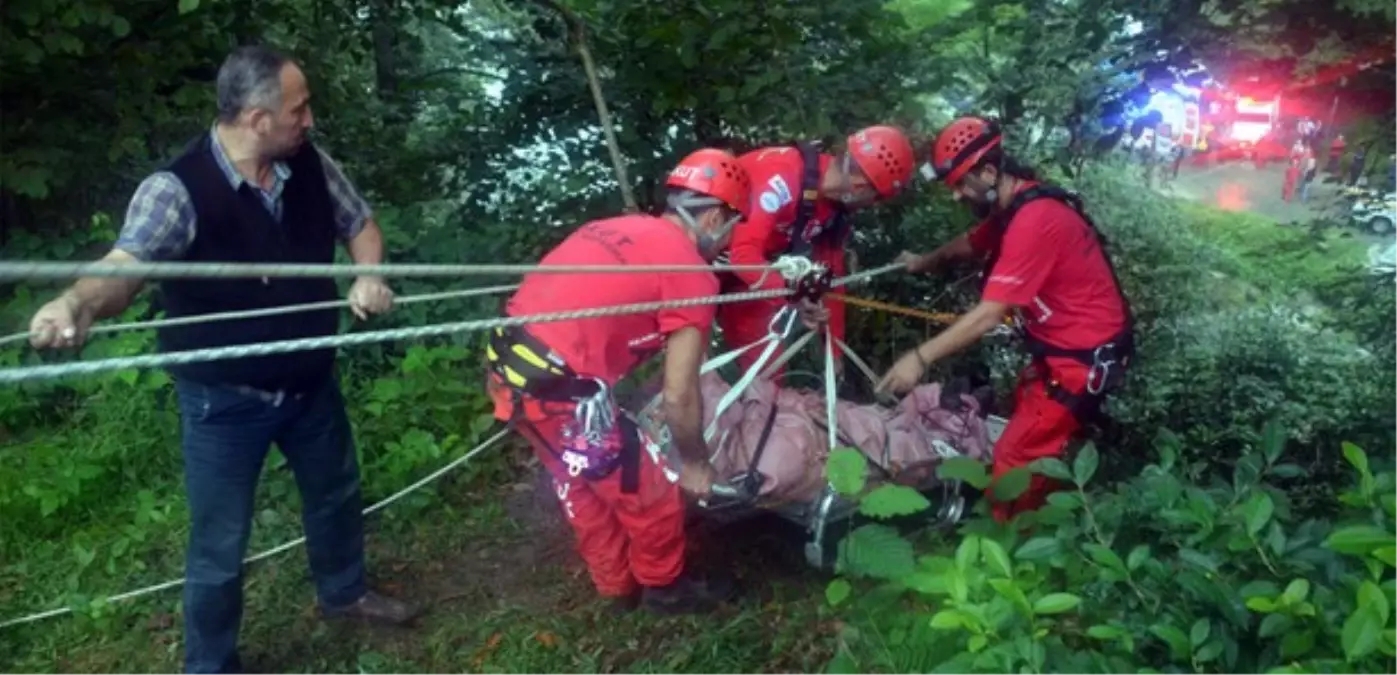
818,518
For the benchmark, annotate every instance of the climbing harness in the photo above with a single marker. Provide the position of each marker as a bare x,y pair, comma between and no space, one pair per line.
802,242
1107,361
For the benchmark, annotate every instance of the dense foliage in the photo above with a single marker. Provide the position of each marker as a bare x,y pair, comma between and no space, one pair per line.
472,129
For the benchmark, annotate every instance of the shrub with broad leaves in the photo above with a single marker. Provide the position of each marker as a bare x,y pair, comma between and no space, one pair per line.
1166,572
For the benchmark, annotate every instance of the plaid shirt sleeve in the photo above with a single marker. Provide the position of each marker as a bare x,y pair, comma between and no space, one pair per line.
159,221
351,211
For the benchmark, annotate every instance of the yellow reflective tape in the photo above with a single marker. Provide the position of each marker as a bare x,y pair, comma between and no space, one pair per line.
811,194
528,355
490,353
514,378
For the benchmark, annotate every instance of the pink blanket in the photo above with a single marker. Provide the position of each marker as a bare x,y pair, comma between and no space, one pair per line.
908,440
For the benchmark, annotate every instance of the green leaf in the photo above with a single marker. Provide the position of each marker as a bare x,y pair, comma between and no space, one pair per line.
1288,471
1203,560
968,553
1199,633
1174,637
876,551
1065,500
1297,644
1258,511
1356,457
1012,593
1387,554
1209,651
1137,557
1051,467
1361,633
1056,603
1084,466
1104,557
951,619
1261,604
837,591
1296,591
1275,624
846,469
1371,597
1012,483
890,501
187,6
964,469
120,27
994,556
977,643
1038,548
1359,539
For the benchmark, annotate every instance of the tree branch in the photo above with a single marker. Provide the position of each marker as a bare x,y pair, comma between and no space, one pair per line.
577,35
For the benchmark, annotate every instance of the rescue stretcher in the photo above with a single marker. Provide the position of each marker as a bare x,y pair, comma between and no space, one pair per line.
738,497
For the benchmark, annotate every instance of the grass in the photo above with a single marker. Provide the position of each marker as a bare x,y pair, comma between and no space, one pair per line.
1281,259
504,592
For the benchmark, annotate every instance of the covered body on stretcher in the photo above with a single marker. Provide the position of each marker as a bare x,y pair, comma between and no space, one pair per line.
904,443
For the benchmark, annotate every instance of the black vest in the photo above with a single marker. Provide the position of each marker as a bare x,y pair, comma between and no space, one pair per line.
235,226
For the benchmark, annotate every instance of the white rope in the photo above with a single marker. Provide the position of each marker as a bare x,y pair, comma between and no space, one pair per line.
270,311
34,270
173,583
830,393
866,275
368,337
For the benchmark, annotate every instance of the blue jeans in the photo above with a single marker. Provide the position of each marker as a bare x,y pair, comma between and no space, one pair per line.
226,435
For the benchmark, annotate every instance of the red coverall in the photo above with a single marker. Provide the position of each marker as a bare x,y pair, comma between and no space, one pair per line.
625,539
764,236
1053,272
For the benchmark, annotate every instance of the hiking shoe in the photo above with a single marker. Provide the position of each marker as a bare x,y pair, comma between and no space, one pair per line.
376,608
689,594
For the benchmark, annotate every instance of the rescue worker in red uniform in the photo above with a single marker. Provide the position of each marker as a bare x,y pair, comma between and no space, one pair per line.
801,198
553,381
1046,265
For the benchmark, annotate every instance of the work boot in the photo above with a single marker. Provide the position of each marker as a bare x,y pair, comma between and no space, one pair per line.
689,594
373,607
622,605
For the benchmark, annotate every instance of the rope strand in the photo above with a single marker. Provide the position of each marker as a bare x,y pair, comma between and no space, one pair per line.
174,583
35,270
23,374
269,311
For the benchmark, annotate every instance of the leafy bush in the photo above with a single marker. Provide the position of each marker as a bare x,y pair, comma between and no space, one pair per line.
1175,570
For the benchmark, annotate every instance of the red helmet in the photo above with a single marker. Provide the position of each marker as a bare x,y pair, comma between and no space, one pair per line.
961,145
884,155
717,174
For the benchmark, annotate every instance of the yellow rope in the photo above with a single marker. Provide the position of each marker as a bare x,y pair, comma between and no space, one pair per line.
938,317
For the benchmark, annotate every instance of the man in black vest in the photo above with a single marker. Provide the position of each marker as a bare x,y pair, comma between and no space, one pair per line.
252,190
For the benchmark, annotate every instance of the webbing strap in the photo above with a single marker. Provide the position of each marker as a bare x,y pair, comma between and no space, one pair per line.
809,198
830,392
773,340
